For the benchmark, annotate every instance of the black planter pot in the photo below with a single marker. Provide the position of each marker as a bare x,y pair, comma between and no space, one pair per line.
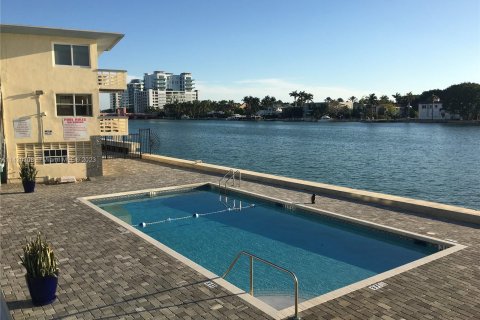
28,186
42,289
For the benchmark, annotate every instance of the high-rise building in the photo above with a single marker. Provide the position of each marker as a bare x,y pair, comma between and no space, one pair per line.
132,87
156,90
116,100
168,81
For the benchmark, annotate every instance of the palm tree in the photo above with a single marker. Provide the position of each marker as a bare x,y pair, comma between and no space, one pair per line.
384,99
353,99
294,94
372,101
397,96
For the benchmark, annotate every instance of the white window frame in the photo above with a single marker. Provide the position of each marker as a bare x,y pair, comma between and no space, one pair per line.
71,55
74,108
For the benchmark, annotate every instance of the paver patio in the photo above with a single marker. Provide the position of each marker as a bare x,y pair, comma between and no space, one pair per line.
109,273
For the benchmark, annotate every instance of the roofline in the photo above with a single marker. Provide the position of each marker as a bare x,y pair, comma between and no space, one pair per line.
75,33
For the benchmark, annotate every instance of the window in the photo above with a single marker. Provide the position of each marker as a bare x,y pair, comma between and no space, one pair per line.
55,156
56,152
74,105
71,55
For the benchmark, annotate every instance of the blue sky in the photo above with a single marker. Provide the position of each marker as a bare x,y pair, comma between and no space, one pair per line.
335,48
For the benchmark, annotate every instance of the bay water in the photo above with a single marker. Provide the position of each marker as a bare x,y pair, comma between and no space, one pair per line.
434,162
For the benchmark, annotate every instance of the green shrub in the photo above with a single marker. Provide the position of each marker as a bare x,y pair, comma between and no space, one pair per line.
28,172
39,259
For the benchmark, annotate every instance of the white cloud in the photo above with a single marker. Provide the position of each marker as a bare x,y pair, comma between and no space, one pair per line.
279,88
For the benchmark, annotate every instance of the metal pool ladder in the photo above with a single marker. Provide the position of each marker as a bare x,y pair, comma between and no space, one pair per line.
230,175
252,256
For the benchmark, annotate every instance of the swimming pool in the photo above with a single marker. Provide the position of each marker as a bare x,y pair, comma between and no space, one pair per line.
325,251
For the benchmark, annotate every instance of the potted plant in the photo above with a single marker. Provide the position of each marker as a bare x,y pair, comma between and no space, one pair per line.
28,173
42,270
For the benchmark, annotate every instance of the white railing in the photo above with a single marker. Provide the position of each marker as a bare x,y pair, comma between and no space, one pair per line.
112,80
113,126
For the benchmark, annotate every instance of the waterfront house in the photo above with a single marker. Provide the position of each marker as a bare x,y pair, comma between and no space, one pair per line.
434,111
50,88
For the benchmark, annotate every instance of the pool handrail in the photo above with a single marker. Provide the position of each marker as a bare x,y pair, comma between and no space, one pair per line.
252,256
230,175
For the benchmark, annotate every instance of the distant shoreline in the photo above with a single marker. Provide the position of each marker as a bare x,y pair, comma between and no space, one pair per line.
460,122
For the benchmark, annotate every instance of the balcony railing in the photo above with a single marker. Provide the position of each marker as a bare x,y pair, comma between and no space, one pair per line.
113,126
112,80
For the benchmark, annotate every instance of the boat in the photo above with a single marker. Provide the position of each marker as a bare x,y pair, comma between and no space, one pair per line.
236,116
325,118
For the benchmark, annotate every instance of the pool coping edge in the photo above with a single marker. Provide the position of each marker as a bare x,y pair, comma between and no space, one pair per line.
264,307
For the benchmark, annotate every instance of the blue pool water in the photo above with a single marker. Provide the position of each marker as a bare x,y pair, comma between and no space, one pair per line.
324,253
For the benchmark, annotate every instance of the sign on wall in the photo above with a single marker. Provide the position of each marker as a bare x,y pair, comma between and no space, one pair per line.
22,128
75,129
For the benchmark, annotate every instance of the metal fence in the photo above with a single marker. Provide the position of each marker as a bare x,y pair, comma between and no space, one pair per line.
132,145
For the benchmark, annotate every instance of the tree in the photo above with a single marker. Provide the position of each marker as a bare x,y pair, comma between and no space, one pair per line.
372,102
294,94
268,102
340,100
462,99
304,97
384,99
319,110
353,99
253,104
398,97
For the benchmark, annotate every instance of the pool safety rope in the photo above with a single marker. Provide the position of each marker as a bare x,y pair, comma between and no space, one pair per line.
195,215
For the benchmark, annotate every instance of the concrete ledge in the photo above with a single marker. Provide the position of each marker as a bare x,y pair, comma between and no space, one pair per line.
418,206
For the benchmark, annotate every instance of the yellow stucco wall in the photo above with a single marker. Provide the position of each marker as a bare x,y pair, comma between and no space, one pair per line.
27,65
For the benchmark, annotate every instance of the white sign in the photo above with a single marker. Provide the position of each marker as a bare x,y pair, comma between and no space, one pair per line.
22,128
75,129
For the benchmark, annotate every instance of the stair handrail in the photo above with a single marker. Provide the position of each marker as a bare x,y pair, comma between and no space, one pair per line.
221,179
269,263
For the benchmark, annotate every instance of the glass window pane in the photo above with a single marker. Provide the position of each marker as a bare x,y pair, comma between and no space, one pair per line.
64,99
83,110
83,99
64,110
81,56
63,54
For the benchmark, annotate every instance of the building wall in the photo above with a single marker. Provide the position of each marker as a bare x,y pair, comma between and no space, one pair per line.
425,112
116,100
27,65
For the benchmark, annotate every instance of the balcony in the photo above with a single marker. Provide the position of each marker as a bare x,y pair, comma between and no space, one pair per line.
111,80
113,126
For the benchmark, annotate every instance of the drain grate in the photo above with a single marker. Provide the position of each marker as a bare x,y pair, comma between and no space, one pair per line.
210,284
377,286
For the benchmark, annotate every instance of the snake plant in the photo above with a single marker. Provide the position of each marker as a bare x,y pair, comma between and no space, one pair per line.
28,172
39,259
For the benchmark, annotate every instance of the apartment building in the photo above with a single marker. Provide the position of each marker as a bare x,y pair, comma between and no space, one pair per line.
149,98
168,81
156,90
50,85
116,100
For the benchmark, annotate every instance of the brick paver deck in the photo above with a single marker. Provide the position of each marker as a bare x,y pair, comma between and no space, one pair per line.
110,273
